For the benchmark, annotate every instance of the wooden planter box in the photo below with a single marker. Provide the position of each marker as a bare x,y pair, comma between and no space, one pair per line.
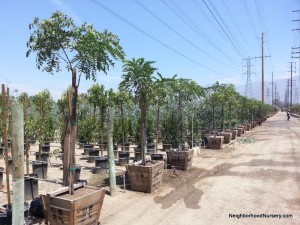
181,160
239,131
145,178
248,127
227,136
243,129
233,132
82,208
215,142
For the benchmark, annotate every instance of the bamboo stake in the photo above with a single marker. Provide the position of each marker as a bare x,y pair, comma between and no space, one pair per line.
18,159
111,160
4,119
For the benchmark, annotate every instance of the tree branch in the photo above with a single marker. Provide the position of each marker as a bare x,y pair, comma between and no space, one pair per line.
68,60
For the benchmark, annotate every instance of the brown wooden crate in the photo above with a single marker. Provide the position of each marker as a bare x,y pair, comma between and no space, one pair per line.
215,142
145,178
181,160
83,210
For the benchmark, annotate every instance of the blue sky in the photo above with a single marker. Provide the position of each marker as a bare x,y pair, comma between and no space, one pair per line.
183,37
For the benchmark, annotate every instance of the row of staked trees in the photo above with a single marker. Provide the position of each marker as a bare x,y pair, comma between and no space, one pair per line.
170,108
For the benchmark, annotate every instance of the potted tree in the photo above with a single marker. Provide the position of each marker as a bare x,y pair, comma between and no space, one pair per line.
57,40
184,91
144,176
213,100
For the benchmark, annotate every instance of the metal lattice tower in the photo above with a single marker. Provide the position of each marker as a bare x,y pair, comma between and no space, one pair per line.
268,95
248,91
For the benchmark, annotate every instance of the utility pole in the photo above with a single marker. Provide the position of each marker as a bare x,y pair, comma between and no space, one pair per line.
262,69
297,49
291,83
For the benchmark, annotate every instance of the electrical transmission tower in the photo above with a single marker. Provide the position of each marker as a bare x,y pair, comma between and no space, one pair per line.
268,95
248,91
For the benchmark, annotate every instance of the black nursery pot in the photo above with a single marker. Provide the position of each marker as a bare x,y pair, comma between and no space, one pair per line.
40,168
1,176
6,218
31,187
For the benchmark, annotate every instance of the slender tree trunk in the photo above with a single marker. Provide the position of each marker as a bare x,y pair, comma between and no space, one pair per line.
102,125
94,124
123,128
4,121
157,128
143,130
180,121
229,113
18,159
70,138
223,118
110,151
41,133
214,123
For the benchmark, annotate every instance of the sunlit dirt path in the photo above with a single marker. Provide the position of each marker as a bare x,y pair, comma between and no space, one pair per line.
255,183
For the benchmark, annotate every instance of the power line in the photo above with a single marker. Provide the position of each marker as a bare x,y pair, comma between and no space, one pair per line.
151,36
251,22
194,27
237,27
228,29
259,16
176,32
230,40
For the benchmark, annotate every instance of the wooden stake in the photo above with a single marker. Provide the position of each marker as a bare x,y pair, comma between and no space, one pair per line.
26,136
18,160
111,159
70,138
4,120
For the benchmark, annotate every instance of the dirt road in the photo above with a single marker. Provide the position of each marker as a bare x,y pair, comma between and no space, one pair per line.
259,180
